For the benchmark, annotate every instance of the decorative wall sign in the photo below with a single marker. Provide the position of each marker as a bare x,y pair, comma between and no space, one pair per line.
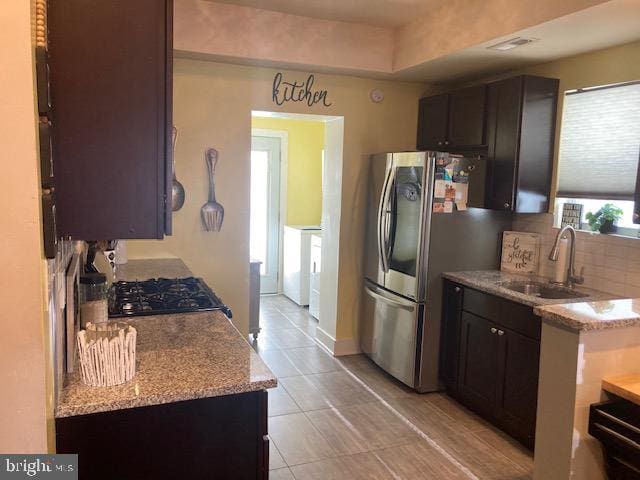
284,91
520,252
572,215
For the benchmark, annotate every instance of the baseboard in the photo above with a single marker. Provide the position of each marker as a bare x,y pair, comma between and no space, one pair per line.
325,340
346,346
337,348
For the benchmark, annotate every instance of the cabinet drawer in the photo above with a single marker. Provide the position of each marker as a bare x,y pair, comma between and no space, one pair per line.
482,304
520,318
511,315
616,425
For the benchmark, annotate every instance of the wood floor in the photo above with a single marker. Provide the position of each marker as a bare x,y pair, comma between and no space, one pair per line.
345,419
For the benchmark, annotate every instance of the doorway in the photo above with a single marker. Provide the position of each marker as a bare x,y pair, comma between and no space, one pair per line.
308,232
266,165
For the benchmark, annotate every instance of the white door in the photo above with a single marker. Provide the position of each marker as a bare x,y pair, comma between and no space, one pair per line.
265,209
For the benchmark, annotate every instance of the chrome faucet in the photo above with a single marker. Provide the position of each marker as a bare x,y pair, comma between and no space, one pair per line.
572,278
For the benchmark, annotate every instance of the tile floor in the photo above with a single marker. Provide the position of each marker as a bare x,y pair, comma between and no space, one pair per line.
345,419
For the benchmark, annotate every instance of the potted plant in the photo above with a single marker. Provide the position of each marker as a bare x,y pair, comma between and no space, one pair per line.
604,220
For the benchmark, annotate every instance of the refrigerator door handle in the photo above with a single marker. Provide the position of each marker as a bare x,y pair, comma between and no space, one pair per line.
383,221
410,307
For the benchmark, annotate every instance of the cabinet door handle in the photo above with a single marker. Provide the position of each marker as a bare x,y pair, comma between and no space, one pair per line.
507,205
457,289
500,332
446,142
494,330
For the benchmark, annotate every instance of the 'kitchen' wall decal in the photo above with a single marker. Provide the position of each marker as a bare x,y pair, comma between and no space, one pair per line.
297,92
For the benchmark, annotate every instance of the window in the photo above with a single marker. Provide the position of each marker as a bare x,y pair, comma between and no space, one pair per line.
600,149
625,224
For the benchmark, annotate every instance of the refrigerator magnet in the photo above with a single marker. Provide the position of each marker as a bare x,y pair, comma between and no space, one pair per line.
438,207
448,206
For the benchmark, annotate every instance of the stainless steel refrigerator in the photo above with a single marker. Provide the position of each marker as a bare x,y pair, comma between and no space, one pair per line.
408,246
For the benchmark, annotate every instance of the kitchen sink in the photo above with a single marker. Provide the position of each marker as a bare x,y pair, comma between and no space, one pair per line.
543,290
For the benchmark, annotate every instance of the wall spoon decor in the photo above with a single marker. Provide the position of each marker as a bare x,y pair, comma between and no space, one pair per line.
212,212
177,190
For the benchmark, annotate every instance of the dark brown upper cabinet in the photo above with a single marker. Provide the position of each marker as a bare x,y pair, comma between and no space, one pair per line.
432,122
521,121
636,197
453,121
466,122
111,92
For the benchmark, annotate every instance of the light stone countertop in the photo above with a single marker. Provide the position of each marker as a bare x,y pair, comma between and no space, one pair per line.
491,281
179,357
597,311
145,269
597,315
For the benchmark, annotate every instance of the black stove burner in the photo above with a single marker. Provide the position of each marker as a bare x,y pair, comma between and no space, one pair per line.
163,296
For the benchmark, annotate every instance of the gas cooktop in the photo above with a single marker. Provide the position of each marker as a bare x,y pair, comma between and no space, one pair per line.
163,296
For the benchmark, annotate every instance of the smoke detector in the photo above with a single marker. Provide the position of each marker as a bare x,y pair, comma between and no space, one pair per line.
511,44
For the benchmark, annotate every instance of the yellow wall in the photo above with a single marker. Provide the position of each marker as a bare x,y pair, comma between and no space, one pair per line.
304,167
601,67
24,407
212,108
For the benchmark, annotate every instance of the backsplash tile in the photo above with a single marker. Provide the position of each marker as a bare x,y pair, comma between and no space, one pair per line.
611,263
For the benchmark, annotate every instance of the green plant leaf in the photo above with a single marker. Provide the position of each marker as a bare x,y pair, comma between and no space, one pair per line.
607,212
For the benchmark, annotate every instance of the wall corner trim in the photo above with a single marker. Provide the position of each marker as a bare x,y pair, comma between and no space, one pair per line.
337,348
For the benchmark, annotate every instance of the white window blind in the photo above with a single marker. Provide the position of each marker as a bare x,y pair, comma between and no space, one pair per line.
600,143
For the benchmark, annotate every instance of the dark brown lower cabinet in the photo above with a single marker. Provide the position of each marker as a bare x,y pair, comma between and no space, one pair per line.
497,346
450,333
478,379
221,437
518,366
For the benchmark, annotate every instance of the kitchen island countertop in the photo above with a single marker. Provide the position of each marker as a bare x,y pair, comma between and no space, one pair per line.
179,357
624,386
593,315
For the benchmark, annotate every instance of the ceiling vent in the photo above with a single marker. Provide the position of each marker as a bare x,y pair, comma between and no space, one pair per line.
511,44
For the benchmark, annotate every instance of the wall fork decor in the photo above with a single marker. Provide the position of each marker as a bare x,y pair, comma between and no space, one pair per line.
212,212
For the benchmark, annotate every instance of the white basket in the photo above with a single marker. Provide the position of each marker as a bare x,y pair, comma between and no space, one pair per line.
107,354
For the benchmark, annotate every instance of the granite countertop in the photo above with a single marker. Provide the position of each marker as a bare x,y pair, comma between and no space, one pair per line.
596,315
625,386
145,269
179,357
491,281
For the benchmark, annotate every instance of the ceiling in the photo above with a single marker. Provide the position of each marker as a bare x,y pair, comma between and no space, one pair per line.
380,13
613,22
606,25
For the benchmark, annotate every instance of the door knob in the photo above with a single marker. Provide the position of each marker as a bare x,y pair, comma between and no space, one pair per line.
493,330
507,205
500,332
